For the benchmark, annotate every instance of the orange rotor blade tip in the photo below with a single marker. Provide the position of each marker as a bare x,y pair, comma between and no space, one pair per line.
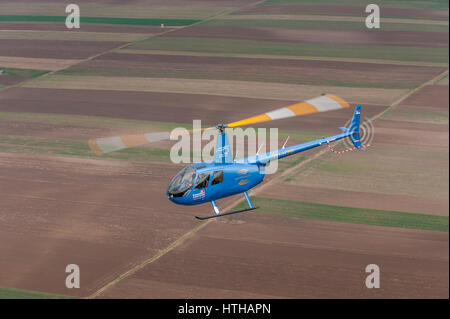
341,101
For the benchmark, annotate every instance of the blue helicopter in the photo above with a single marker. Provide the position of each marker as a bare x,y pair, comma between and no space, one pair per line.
209,181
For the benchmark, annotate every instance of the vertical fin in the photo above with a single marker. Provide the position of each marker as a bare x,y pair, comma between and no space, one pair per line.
354,127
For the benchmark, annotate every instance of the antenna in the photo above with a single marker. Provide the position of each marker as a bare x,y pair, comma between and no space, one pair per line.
285,142
259,148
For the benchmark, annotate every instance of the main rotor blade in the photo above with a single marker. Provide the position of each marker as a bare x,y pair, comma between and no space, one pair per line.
110,144
323,103
104,145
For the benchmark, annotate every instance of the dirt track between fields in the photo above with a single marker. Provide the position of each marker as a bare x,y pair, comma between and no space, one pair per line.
36,63
275,256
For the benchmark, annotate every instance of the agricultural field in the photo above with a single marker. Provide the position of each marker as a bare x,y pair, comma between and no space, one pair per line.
151,66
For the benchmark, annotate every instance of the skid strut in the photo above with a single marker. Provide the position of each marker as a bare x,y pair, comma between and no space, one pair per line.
248,200
218,214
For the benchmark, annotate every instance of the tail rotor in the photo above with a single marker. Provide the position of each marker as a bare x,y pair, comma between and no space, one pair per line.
362,133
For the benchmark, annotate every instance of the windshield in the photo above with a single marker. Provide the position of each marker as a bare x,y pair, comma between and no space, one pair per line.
182,182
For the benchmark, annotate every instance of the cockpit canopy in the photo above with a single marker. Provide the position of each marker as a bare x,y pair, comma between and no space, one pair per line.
182,183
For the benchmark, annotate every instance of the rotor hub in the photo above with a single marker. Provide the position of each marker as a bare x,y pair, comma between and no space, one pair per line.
221,127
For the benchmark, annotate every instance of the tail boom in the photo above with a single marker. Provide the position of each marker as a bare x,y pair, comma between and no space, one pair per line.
352,132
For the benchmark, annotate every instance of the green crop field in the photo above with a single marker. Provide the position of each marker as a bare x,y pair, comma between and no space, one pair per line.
418,4
350,214
91,121
230,46
323,25
99,20
63,147
27,73
12,293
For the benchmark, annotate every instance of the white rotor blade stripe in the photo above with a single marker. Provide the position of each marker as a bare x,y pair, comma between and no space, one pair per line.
116,143
280,113
324,103
110,144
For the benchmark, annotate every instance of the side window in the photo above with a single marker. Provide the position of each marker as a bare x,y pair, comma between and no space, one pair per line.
202,181
217,177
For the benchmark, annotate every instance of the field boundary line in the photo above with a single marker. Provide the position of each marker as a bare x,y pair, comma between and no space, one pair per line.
314,17
88,36
281,57
36,63
401,99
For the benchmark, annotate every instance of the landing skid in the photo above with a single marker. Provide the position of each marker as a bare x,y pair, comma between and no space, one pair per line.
225,214
218,214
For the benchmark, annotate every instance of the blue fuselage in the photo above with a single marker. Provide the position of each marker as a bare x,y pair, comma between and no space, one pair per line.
196,184
236,178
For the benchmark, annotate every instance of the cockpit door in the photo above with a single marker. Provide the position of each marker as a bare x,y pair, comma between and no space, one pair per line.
200,186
